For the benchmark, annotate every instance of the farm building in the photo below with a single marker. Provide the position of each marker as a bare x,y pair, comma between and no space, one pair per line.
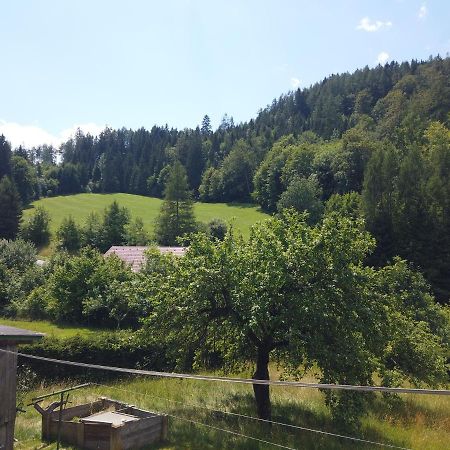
135,255
105,424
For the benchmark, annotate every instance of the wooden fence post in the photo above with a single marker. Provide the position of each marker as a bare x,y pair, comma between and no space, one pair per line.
10,338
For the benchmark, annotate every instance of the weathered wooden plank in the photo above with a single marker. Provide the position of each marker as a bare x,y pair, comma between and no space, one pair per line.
128,434
8,377
78,411
148,429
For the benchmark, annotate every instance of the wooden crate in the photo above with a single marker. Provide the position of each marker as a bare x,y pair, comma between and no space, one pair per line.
148,427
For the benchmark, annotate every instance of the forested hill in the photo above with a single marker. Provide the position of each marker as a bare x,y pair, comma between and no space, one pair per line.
390,99
378,137
394,102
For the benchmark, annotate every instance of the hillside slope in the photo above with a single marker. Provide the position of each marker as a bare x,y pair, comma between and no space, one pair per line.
80,205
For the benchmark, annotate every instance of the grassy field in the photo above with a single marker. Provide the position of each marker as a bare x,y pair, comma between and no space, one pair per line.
420,422
50,329
80,205
417,422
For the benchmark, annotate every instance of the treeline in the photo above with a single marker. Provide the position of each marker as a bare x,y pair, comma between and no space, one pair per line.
402,193
396,102
336,137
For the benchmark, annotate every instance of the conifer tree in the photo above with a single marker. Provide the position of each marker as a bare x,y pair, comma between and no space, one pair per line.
69,235
176,216
206,126
37,228
5,157
378,201
115,220
10,208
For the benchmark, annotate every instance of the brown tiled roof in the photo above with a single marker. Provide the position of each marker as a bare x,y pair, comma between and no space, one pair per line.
135,255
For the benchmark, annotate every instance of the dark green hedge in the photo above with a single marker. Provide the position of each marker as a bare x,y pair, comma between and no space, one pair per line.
118,349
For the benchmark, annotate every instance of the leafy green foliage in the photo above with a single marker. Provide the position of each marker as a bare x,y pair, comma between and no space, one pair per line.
19,274
303,194
267,180
92,231
114,224
36,228
69,236
136,233
237,173
346,205
24,176
118,348
405,203
88,288
300,295
18,254
217,229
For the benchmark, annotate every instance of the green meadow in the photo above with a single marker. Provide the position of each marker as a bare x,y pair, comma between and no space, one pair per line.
407,421
419,422
48,328
79,206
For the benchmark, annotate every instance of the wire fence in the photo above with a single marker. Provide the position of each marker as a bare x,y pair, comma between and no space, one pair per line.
252,381
245,381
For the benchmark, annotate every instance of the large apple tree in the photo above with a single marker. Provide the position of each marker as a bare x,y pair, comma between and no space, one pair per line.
302,296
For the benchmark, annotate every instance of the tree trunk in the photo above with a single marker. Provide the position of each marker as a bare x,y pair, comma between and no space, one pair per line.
262,393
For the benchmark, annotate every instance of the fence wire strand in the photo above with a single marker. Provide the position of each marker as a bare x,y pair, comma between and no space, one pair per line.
244,416
238,380
347,387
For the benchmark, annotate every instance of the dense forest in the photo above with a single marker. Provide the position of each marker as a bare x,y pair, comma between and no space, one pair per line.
374,143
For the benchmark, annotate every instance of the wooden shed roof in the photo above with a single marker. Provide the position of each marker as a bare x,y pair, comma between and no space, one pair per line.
13,334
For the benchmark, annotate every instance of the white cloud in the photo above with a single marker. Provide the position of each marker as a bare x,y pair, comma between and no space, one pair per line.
366,24
423,12
295,82
382,58
32,135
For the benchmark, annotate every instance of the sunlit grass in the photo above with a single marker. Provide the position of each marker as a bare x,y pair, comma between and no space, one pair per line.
50,329
147,208
418,422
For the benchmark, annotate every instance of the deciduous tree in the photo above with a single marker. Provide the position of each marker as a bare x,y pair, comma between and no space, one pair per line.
302,296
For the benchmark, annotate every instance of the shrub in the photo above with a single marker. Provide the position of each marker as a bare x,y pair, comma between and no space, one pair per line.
117,349
17,254
34,306
88,288
217,228
36,228
19,274
69,235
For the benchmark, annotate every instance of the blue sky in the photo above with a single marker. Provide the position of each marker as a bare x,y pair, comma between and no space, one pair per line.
138,63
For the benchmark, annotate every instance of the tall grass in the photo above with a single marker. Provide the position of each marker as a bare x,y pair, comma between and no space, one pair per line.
418,422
